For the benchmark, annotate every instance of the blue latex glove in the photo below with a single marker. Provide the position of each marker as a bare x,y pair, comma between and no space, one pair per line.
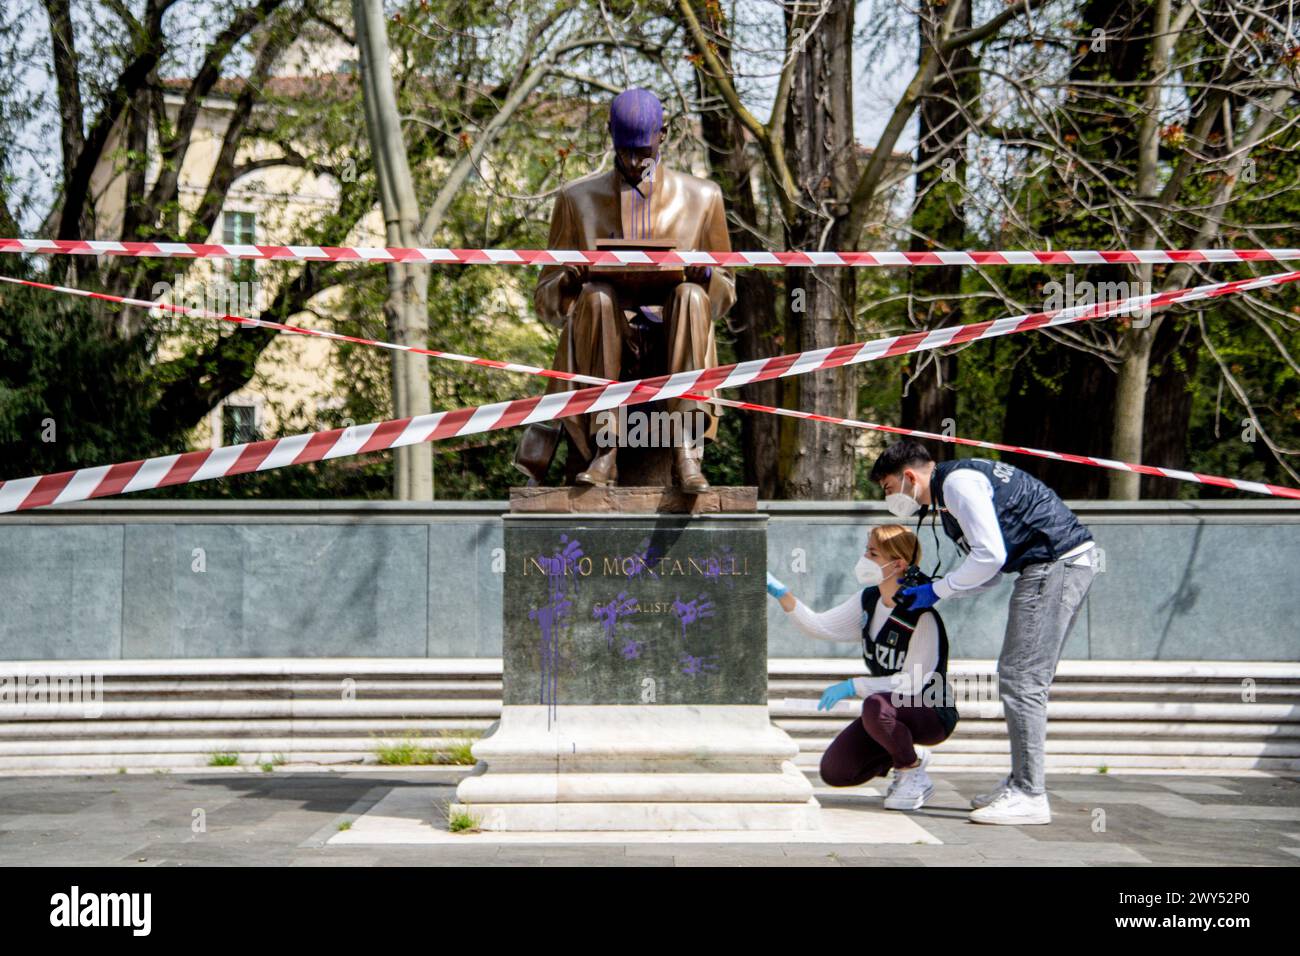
836,693
922,596
775,587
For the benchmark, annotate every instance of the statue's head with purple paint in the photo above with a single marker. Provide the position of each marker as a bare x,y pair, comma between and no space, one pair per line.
636,124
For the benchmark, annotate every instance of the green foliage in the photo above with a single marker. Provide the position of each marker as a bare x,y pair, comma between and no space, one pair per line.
459,751
461,821
408,750
75,394
71,394
1223,437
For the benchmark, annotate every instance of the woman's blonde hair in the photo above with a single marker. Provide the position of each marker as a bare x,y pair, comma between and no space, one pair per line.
896,543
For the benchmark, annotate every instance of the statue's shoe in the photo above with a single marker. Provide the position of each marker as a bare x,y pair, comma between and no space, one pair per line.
602,472
689,476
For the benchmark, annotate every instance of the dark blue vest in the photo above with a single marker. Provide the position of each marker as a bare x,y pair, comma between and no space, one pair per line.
1036,525
886,653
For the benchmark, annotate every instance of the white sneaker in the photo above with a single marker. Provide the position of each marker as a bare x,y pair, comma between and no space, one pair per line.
1014,807
984,799
910,788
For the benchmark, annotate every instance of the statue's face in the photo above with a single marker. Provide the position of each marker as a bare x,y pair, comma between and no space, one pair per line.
635,162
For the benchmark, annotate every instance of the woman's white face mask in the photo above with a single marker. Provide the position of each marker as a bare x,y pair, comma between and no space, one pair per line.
868,573
903,504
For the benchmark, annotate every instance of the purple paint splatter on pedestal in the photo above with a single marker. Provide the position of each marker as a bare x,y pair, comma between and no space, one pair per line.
688,612
555,615
714,565
644,558
692,665
609,615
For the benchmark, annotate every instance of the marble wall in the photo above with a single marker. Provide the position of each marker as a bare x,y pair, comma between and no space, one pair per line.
156,579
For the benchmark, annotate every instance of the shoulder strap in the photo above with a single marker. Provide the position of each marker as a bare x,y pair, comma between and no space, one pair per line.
942,666
906,615
869,598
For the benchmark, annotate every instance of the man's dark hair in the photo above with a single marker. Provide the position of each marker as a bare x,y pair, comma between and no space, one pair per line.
907,453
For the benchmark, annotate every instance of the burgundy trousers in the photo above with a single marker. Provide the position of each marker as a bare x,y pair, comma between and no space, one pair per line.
881,738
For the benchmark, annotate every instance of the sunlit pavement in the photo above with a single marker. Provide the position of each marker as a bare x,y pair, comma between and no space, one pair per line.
397,817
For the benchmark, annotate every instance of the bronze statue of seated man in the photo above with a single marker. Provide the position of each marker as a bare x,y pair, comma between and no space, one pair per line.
626,324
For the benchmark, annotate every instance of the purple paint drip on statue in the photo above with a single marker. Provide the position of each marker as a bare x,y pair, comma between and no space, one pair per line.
642,194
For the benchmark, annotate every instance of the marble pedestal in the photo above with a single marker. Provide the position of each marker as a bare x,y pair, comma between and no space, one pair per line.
635,677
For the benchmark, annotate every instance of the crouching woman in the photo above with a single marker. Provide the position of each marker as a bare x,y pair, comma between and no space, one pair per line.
907,701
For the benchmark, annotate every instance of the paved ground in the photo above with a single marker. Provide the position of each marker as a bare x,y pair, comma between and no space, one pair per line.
288,818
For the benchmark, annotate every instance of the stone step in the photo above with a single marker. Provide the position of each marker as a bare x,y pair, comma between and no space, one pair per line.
206,746
1095,763
274,688
416,708
988,764
1210,692
176,713
1280,749
153,729
782,668
1159,710
147,710
1106,729
490,668
788,785
109,763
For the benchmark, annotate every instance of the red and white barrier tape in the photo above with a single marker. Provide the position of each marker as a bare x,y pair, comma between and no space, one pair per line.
340,337
1255,487
542,257
86,483
1137,303
1152,470
303,330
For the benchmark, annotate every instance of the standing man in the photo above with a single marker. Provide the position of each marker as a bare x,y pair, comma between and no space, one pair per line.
1005,521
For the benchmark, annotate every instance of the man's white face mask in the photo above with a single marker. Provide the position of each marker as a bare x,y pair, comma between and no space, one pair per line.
903,504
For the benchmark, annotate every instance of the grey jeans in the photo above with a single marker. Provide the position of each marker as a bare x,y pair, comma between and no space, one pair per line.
1044,603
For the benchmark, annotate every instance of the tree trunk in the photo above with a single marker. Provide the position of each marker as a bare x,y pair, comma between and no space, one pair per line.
816,458
939,221
407,306
1136,342
1130,410
752,319
1174,360
1039,415
1052,381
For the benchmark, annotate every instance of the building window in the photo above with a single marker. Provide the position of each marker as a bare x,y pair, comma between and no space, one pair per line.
238,424
240,228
